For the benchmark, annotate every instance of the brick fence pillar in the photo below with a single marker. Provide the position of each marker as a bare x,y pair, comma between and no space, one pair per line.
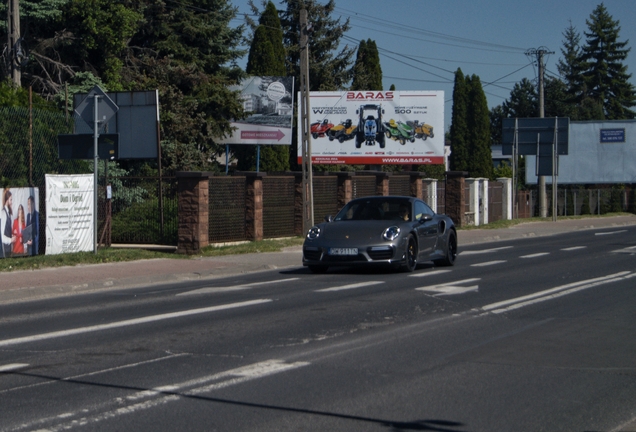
417,186
254,205
455,196
193,211
345,187
382,183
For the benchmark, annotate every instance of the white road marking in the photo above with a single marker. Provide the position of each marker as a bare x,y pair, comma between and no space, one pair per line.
629,250
169,393
484,251
431,273
519,302
70,378
535,255
451,288
12,367
351,286
487,263
234,287
130,322
574,248
610,232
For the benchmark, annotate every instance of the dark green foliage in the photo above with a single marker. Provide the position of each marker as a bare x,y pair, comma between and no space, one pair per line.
22,146
585,206
523,102
616,200
605,76
367,72
632,201
569,204
433,171
188,51
478,131
460,154
470,129
267,53
139,223
329,69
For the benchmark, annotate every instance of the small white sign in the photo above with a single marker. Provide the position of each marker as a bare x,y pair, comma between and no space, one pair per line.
69,213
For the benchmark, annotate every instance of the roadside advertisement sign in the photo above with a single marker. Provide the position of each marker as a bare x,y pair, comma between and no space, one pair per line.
269,103
20,222
376,127
69,213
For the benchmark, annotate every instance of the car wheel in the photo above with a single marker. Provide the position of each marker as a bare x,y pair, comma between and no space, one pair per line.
317,269
451,251
411,254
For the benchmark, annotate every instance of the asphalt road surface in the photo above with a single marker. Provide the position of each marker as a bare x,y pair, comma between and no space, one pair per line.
524,335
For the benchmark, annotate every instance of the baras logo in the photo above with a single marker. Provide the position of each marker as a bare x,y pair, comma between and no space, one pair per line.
376,96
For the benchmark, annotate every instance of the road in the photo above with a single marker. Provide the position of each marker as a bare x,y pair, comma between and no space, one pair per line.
525,335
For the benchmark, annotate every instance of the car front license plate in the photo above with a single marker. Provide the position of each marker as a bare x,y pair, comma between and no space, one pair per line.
343,251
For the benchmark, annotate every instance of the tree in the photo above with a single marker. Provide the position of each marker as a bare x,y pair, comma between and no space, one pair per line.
478,122
523,102
605,75
459,158
188,51
267,53
329,65
266,58
367,72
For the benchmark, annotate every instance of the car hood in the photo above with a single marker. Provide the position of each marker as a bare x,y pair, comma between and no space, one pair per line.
355,230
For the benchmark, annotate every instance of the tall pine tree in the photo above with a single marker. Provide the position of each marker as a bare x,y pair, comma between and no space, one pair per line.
460,156
367,72
478,122
605,75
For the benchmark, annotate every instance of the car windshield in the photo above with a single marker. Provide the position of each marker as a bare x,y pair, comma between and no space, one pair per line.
397,209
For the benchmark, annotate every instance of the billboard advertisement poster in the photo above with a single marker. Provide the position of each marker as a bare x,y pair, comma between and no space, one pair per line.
69,213
269,103
20,221
376,127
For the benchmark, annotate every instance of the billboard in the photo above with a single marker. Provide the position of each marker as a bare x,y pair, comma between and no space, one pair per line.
136,121
20,222
270,104
599,152
376,127
69,213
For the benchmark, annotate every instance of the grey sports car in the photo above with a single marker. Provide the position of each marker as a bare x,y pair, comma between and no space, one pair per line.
398,231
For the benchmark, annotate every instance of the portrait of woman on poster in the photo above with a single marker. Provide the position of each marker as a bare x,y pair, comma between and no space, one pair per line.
5,223
19,224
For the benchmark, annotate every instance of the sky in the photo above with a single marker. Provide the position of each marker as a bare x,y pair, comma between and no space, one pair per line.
423,42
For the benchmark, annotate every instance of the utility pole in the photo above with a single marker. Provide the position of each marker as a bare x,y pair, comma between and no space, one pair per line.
539,53
305,121
13,40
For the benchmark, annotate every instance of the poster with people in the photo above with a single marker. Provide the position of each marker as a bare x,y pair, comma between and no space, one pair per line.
69,213
20,222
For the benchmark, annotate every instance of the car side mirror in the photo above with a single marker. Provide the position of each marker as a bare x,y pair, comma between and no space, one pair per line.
328,218
426,217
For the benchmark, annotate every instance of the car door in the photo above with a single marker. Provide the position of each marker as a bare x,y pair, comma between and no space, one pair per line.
426,226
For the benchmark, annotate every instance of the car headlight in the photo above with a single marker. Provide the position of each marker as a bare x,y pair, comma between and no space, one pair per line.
391,233
313,233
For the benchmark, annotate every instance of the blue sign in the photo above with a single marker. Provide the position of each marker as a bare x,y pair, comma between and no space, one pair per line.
612,135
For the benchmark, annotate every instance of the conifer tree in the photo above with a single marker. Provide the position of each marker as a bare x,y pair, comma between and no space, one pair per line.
478,122
459,158
367,72
605,75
